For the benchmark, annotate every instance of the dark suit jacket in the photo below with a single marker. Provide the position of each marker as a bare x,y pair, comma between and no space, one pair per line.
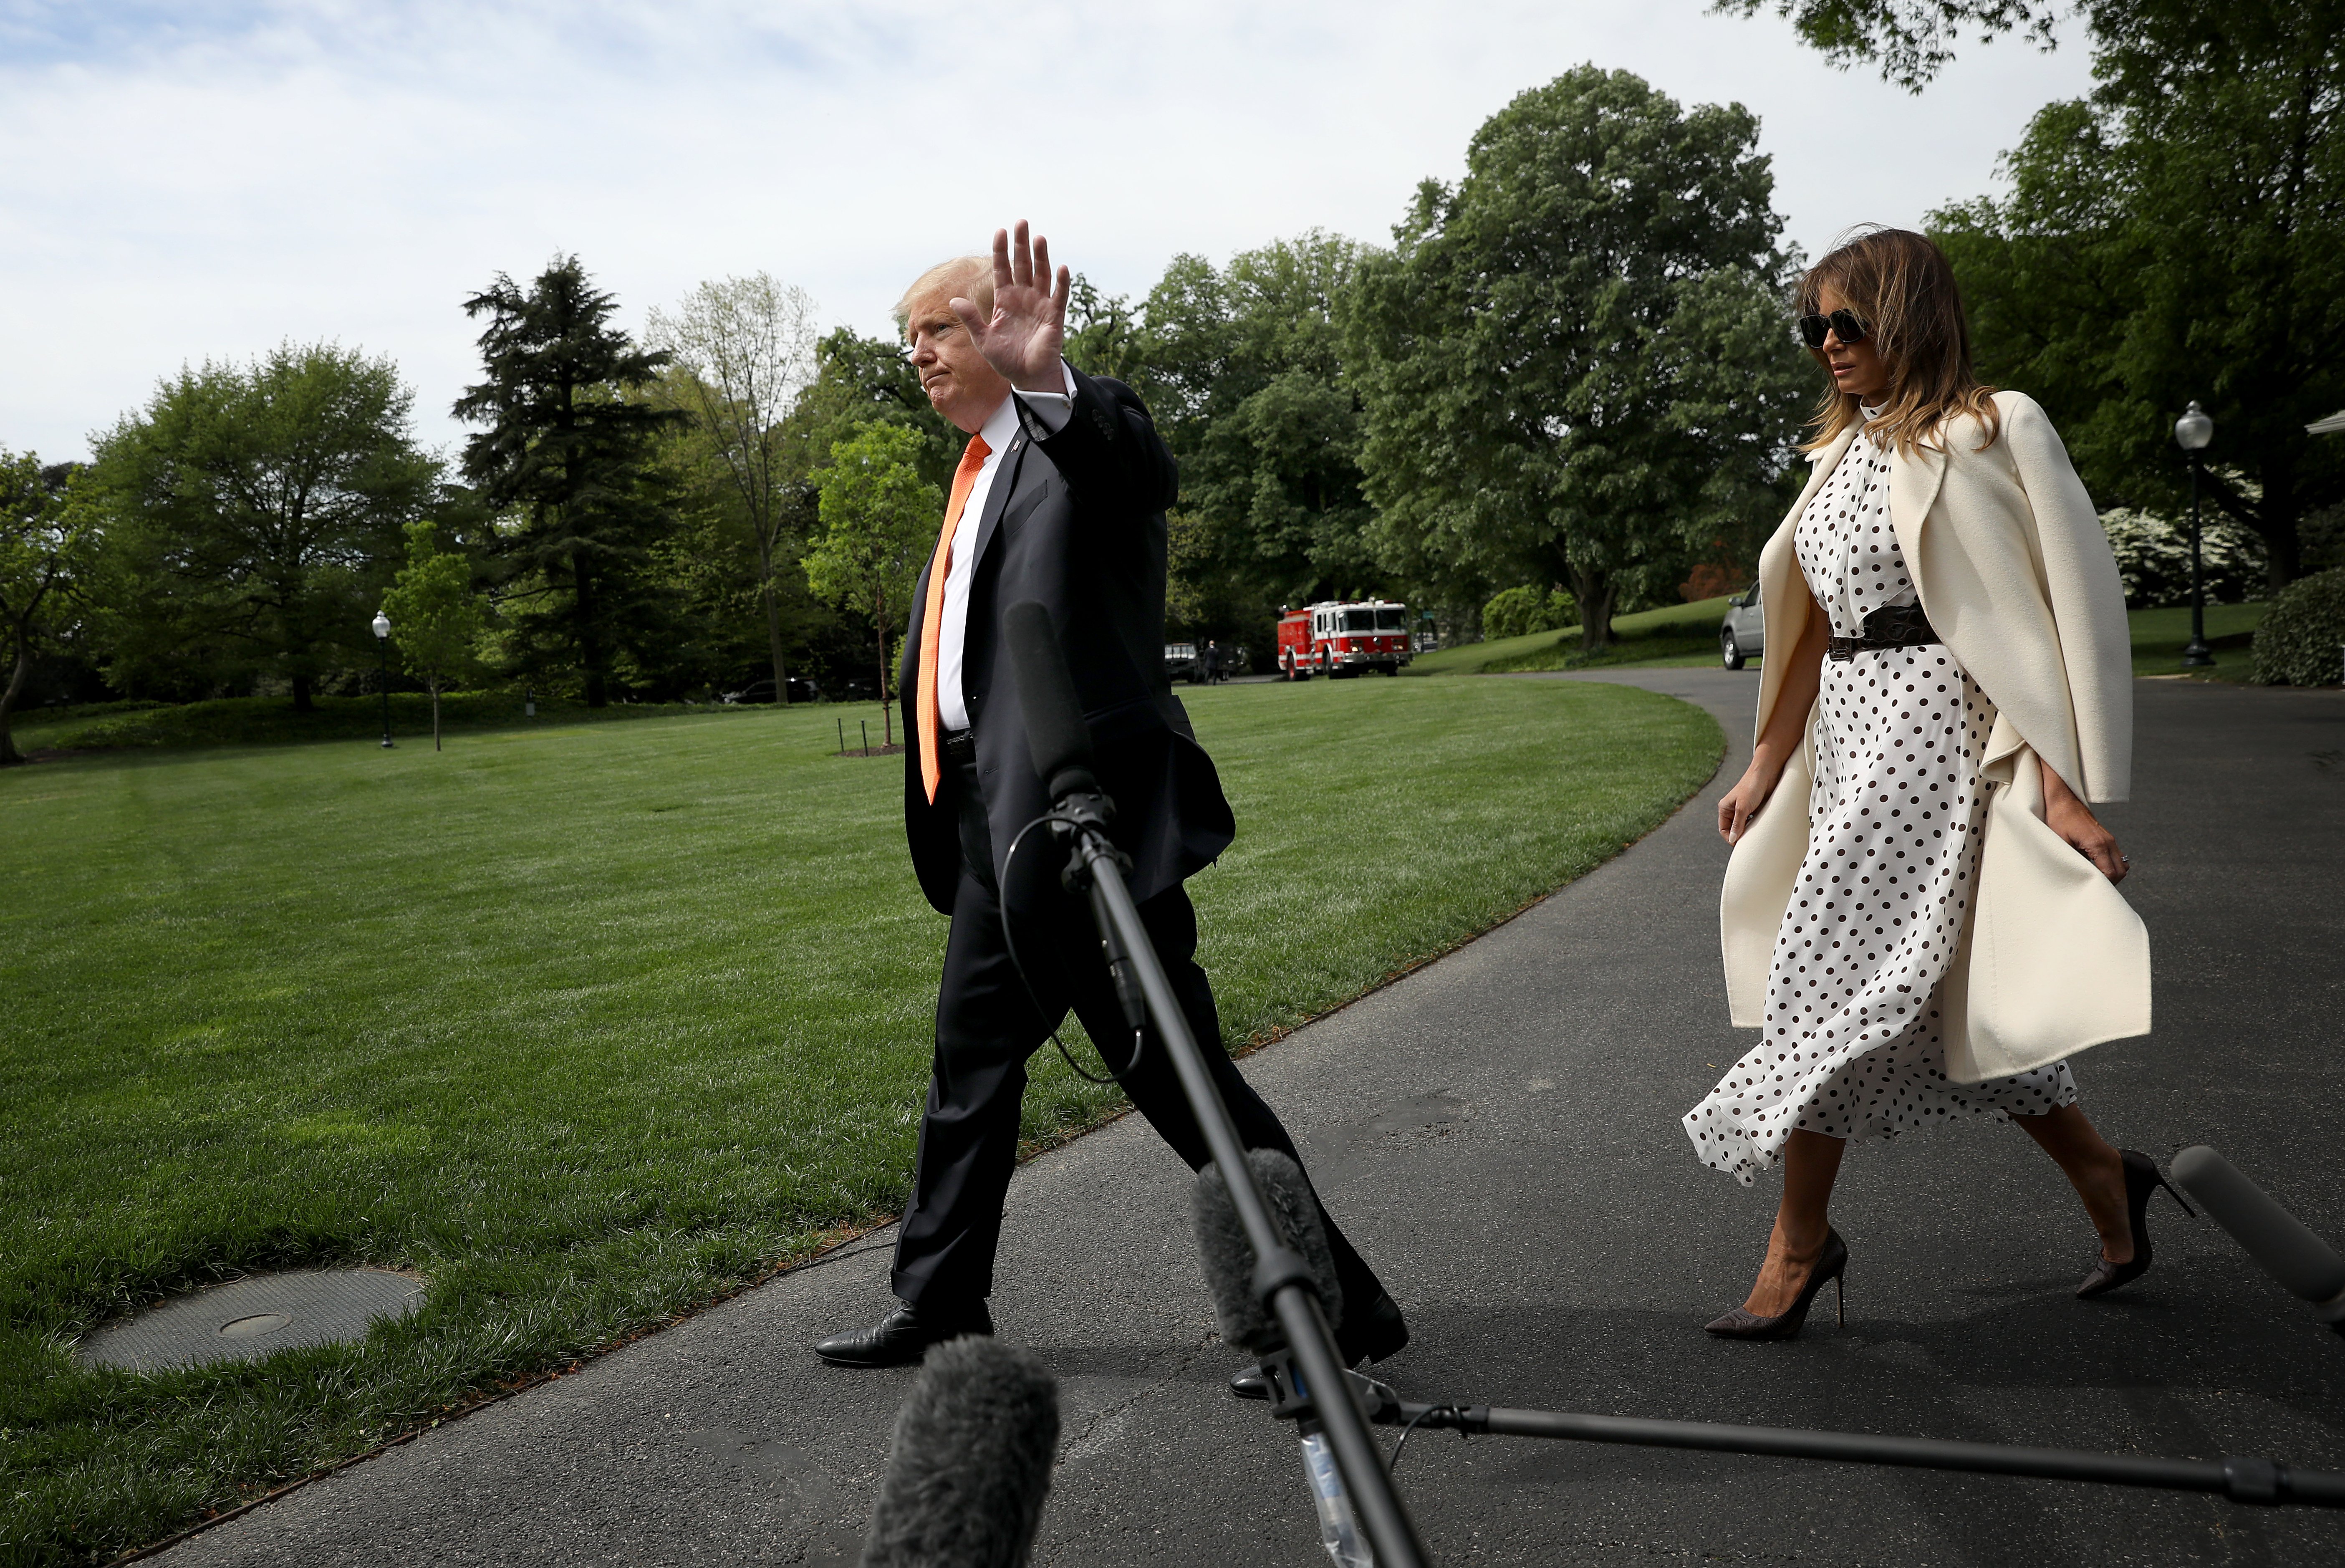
1076,520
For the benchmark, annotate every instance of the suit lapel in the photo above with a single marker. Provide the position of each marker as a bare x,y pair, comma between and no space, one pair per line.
997,498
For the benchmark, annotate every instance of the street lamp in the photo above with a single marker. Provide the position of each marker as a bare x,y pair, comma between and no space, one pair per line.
383,667
2192,431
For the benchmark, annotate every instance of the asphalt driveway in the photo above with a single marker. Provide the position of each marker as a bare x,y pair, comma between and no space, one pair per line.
1499,1132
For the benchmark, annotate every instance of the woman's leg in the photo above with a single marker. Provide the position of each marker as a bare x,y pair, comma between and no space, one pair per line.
1811,1165
2093,1167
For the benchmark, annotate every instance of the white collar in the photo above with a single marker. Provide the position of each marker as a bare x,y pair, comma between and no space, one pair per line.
999,426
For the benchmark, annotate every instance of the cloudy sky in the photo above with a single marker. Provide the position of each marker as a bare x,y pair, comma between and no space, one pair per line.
183,180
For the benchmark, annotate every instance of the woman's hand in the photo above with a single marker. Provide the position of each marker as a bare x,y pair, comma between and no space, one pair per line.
1739,805
2074,822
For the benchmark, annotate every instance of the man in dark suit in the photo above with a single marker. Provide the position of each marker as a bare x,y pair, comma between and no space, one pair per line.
1060,498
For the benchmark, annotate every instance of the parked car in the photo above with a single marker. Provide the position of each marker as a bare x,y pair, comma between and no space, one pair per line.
801,691
1742,635
1181,662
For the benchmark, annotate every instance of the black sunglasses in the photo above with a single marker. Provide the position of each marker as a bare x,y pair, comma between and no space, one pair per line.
1813,329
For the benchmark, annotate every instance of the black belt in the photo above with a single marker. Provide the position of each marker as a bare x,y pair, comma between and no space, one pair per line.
958,748
1890,626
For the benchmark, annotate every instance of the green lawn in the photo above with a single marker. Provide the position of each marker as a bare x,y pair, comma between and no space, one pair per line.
1688,634
589,1023
1679,634
2159,635
260,721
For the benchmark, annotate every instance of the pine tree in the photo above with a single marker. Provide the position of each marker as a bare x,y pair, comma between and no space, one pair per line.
568,456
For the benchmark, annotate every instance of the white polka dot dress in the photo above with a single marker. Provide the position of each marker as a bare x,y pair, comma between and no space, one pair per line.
1851,1046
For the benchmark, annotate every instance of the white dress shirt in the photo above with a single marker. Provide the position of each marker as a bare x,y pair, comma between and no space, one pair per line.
1001,428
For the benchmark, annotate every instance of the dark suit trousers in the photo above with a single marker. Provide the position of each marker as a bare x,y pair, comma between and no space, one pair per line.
987,1026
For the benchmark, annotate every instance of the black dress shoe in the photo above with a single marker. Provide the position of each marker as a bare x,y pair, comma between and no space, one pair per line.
1831,1263
1369,1336
901,1337
2142,1181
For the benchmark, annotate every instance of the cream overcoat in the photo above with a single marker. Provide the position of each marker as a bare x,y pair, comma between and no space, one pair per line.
2015,576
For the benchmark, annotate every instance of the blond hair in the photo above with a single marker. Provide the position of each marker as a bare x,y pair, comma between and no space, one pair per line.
969,277
1902,287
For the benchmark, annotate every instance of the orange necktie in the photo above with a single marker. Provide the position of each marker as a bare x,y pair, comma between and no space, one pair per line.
973,459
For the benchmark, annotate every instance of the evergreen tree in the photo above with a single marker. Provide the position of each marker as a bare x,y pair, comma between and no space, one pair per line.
567,454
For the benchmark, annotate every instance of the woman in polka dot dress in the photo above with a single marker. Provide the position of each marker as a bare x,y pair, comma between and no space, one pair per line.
1854,1043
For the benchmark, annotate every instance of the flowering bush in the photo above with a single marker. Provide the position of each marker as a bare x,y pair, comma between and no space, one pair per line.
2302,641
2154,559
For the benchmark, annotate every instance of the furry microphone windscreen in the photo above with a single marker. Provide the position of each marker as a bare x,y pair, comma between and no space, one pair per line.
972,1455
1227,1257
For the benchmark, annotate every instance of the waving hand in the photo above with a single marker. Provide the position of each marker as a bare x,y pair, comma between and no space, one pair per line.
1026,334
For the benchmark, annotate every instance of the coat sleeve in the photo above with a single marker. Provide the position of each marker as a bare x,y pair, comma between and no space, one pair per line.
1109,451
2087,600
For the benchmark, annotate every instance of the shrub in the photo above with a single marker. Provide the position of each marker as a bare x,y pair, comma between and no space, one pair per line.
2154,559
1519,612
2302,640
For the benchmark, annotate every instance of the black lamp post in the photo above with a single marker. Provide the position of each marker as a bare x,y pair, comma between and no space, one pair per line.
2192,431
382,664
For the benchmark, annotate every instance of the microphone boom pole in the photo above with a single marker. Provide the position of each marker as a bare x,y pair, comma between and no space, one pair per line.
1061,755
2239,1478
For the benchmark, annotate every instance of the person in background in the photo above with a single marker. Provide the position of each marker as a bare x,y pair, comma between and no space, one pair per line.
1921,911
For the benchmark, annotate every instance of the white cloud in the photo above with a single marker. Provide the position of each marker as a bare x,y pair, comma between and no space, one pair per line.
191,180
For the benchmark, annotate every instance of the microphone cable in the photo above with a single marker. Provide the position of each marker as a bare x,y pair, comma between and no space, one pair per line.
1447,1413
1010,941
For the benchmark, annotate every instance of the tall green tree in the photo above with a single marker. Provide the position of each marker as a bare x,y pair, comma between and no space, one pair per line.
436,614
880,521
743,353
567,454
48,550
258,509
2176,237
1577,364
1244,368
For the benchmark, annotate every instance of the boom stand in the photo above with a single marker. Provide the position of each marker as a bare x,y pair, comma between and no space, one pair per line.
1280,1276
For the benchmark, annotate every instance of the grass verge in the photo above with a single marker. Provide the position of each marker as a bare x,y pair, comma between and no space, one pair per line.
591,1023
2160,635
1688,634
1676,633
271,721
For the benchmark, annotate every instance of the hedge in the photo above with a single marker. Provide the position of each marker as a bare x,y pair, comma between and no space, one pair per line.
2302,639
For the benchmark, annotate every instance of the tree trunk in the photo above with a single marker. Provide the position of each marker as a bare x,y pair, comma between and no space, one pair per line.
9,755
886,710
774,627
590,642
2275,520
1596,591
435,713
304,695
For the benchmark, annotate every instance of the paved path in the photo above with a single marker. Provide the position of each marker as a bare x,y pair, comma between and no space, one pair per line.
1499,1132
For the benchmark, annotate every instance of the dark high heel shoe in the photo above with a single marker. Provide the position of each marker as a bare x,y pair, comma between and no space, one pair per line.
1830,1264
2141,1179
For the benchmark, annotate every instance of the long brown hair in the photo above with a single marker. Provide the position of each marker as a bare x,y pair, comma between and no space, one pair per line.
1903,289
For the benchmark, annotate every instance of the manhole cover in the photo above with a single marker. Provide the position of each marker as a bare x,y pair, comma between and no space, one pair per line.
254,1317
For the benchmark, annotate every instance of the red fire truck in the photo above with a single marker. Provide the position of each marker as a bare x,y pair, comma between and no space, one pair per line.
1343,639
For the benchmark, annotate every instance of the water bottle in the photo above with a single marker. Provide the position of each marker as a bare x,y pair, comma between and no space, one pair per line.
1339,1530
